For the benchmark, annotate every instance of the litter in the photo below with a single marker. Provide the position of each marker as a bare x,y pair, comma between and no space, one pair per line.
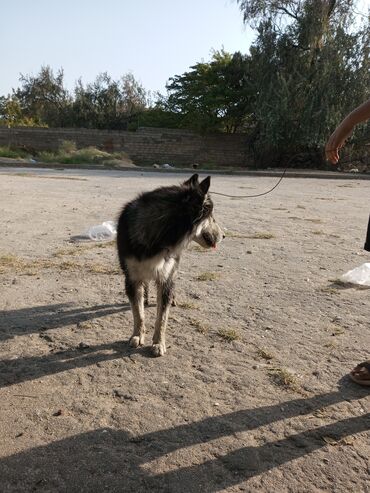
359,275
107,231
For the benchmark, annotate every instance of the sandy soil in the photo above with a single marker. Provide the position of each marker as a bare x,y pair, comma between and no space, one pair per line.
252,394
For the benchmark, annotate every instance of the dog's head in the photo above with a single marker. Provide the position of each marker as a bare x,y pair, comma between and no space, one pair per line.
207,232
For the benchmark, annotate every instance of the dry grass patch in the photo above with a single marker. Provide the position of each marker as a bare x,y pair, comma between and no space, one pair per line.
12,263
208,276
197,248
262,236
329,290
254,236
264,354
228,335
78,249
19,265
200,326
283,378
335,330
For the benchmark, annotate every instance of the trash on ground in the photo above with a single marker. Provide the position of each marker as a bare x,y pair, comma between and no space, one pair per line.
106,231
359,275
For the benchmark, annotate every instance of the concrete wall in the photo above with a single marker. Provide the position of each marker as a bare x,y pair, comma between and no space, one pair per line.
145,146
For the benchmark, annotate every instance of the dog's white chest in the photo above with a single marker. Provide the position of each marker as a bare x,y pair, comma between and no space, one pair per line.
157,268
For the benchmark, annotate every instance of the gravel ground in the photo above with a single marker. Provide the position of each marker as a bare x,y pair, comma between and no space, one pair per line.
253,393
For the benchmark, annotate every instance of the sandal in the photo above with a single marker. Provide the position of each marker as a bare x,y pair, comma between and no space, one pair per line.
361,373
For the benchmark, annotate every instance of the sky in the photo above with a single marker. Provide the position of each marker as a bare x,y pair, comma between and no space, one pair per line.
153,39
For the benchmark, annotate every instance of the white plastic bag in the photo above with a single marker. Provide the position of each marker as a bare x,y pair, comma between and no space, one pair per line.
359,275
105,231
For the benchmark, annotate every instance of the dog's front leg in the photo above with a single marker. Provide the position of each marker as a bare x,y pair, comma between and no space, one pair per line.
135,293
164,299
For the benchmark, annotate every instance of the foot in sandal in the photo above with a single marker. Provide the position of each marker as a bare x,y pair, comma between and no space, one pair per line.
361,373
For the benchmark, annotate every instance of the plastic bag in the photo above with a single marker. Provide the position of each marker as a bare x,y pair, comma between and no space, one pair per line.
105,231
359,275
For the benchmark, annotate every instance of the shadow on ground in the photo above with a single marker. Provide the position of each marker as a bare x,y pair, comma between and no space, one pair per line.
114,461
43,318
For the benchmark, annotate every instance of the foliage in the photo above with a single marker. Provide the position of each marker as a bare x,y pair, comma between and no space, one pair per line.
8,152
107,103
44,98
68,154
212,96
310,67
307,68
11,114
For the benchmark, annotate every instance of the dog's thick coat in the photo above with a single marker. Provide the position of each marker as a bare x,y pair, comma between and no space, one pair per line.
152,232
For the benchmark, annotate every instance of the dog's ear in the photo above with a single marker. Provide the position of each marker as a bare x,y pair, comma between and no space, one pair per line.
192,181
205,184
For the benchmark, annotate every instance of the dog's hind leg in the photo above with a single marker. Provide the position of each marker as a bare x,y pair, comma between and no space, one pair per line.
164,299
135,293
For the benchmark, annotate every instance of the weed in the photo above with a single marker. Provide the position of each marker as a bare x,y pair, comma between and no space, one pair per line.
201,328
262,353
283,378
208,276
228,335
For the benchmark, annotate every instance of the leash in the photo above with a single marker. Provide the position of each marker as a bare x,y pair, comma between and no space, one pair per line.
276,184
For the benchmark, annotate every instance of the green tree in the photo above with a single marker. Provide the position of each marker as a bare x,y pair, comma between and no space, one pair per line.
310,65
11,114
107,103
212,96
43,98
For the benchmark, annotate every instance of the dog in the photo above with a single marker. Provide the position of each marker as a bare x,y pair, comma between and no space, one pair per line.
152,232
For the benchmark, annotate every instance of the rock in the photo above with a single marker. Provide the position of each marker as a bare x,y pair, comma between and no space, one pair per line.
83,345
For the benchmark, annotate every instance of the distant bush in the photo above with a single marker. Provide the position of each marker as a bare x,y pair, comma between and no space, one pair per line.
13,153
67,147
88,155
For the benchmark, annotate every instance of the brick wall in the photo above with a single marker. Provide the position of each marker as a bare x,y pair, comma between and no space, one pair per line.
145,146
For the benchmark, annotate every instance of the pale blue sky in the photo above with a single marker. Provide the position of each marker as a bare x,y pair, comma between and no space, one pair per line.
152,39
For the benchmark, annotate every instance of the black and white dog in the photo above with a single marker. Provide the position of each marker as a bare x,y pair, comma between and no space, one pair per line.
153,230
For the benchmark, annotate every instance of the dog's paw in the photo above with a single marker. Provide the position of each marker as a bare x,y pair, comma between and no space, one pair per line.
158,349
136,341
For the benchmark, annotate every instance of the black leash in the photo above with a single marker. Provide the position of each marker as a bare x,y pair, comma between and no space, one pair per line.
273,188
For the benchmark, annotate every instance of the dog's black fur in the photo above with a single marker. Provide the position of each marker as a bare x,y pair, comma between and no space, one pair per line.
152,231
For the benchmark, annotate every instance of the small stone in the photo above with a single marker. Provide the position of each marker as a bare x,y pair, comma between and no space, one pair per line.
60,412
249,252
83,345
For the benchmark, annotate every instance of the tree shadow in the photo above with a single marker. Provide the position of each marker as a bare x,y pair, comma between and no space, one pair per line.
111,460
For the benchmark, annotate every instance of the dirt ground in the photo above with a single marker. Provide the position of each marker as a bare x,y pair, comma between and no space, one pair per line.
253,393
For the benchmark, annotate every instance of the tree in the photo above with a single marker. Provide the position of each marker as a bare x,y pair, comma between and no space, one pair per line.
107,103
212,96
11,113
44,98
310,66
